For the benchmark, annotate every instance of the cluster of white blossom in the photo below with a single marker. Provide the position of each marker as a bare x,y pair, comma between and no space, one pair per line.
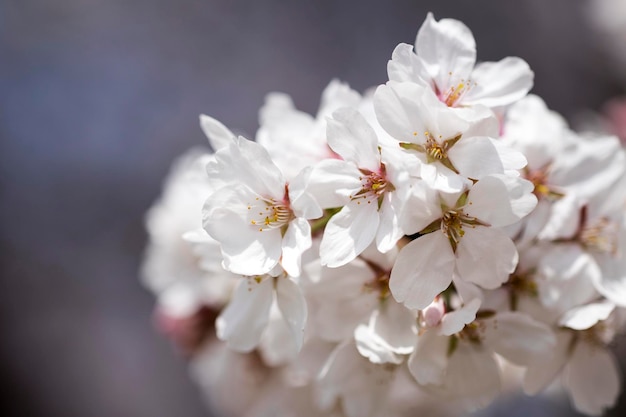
399,248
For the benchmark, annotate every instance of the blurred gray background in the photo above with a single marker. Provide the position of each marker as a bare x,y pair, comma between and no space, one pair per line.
96,99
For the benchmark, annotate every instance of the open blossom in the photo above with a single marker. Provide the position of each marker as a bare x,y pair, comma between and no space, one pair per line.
462,236
368,184
444,60
450,149
252,215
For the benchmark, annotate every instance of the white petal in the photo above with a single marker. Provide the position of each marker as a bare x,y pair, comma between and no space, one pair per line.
389,230
277,346
476,157
612,281
246,250
406,66
296,241
248,163
391,332
293,307
336,95
500,83
543,369
244,319
349,232
331,183
486,256
350,136
517,337
423,269
455,321
593,379
447,48
219,135
429,360
399,111
500,200
584,317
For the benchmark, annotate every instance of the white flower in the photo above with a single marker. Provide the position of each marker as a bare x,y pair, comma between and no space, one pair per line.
444,59
462,236
449,148
252,215
369,185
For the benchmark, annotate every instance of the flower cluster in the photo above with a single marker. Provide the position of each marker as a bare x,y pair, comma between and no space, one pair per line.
400,247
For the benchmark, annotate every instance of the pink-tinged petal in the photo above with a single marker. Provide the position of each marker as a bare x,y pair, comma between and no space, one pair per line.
242,322
423,269
500,200
349,232
499,83
330,183
246,250
486,256
292,305
350,136
296,241
429,359
583,317
472,377
592,378
219,135
476,157
447,49
406,66
455,321
517,337
544,369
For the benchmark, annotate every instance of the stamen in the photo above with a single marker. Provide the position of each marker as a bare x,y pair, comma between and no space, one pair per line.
601,237
270,215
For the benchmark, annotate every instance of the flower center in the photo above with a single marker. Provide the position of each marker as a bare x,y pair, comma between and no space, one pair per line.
539,178
452,224
373,187
601,237
267,214
455,93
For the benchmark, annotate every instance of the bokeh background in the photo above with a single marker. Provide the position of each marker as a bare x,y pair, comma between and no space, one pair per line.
97,97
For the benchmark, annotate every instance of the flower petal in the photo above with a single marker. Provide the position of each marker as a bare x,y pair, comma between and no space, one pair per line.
447,49
456,320
296,241
219,135
292,305
486,256
517,337
429,359
350,136
500,200
348,233
423,269
242,322
583,317
499,83
543,369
